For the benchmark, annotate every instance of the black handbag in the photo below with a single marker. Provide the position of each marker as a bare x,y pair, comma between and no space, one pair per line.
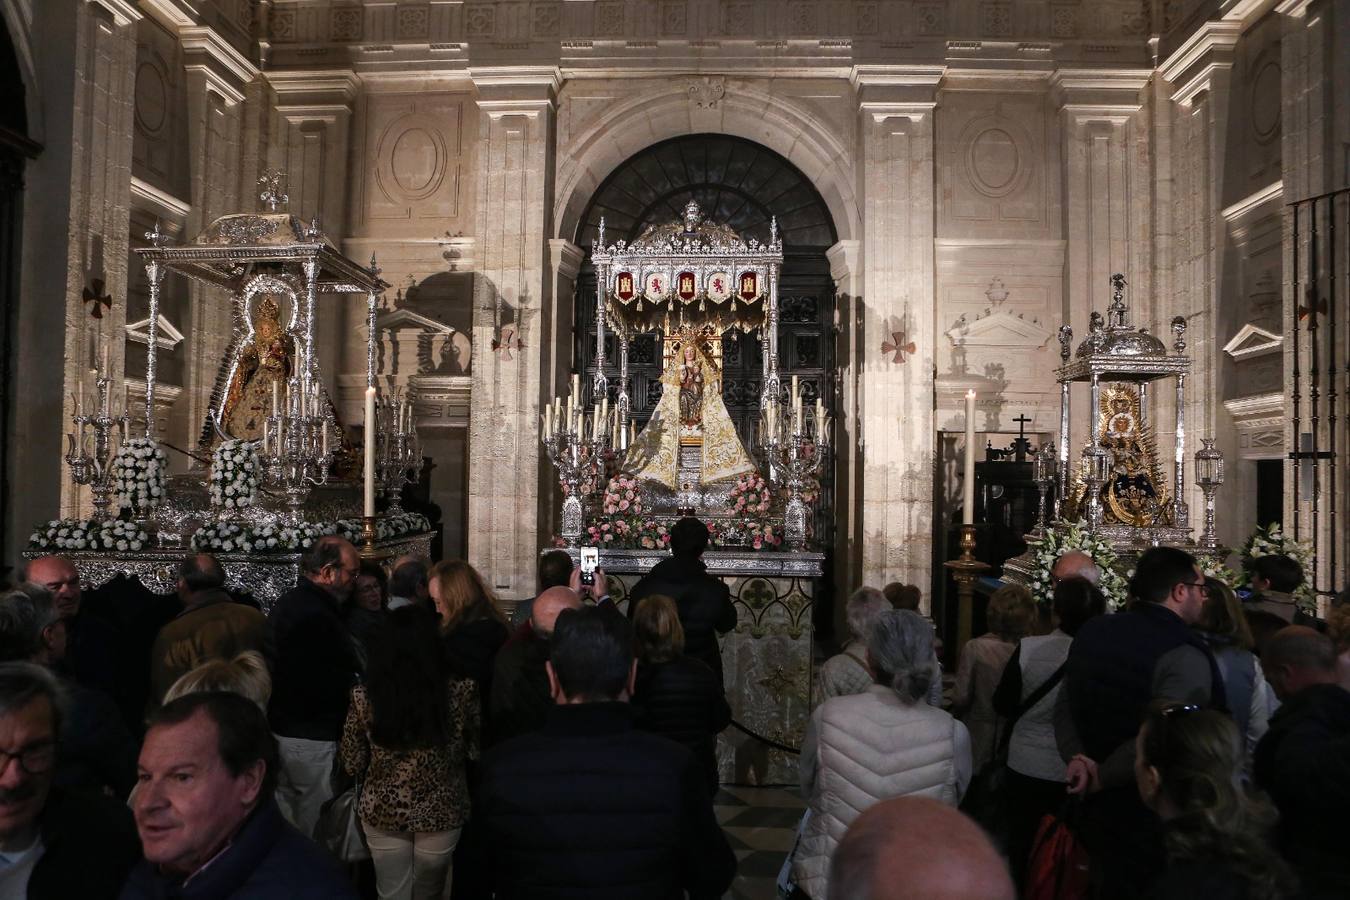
983,801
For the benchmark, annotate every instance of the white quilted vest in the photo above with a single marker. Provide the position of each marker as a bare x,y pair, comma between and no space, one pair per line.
871,747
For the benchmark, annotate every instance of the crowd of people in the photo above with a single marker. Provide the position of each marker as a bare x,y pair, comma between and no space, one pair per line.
204,749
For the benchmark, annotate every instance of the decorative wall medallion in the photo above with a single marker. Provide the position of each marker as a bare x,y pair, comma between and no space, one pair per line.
545,23
996,20
897,347
98,298
706,91
719,287
480,20
609,18
152,98
655,286
674,17
283,25
686,287
507,342
411,158
865,17
802,18
344,23
738,18
413,22
994,163
931,18
1265,99
1063,21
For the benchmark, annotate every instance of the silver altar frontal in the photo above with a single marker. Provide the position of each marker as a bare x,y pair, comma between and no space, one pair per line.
766,659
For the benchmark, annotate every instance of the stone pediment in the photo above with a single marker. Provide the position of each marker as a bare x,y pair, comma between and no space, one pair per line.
1253,340
167,337
999,328
406,318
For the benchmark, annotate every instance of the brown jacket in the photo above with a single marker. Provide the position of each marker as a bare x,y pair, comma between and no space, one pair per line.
215,627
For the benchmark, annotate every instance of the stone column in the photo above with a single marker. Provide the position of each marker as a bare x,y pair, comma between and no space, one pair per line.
310,140
555,361
1199,74
1106,204
895,400
217,77
514,295
88,159
847,273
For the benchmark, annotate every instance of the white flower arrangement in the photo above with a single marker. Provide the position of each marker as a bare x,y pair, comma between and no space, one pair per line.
1065,536
229,537
386,527
138,473
1272,541
73,535
234,475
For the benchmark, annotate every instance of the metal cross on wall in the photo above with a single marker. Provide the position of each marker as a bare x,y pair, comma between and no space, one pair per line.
507,342
897,346
100,299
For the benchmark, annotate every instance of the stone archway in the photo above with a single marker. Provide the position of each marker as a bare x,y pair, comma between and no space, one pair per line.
742,184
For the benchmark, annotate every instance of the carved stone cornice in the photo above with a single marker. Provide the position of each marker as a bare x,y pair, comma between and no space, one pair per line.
523,90
226,70
566,257
843,258
1104,95
896,92
1192,66
124,12
317,93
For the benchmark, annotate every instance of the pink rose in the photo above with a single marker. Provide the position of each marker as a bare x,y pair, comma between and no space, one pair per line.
623,505
609,537
758,544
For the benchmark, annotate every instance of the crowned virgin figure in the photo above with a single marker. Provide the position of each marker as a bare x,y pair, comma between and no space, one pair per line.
690,413
264,361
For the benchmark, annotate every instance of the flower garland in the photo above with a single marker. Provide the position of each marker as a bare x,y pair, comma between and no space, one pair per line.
74,534
234,474
231,537
1066,536
386,527
138,473
1272,541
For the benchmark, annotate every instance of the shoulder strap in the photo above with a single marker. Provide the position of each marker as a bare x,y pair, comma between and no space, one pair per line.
1039,694
857,659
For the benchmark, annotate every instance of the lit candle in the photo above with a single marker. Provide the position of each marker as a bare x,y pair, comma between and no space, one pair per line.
266,423
368,507
968,477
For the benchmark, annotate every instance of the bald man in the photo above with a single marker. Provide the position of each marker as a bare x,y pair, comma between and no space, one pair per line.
520,693
91,642
1075,564
1303,761
917,847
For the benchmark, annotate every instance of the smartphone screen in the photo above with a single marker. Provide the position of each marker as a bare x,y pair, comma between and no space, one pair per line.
590,558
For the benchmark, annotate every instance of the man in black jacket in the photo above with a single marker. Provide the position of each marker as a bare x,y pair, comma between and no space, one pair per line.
315,669
1303,761
53,844
590,807
520,691
703,601
1118,664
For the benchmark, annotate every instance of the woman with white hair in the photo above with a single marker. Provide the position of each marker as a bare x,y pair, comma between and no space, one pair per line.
846,672
885,742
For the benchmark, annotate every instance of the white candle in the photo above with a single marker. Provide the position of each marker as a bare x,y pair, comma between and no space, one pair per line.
105,351
323,448
276,397
368,506
820,416
264,435
968,477
548,422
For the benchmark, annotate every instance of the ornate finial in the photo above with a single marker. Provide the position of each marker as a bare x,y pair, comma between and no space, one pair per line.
1179,329
313,233
375,269
156,237
272,195
773,231
602,233
1118,312
1065,338
692,216
996,293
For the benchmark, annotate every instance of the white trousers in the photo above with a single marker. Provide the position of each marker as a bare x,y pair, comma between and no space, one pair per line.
305,781
412,865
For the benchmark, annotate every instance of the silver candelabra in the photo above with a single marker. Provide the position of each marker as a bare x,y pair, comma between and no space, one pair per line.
1209,476
795,446
576,443
1044,469
1094,464
95,469
296,454
399,453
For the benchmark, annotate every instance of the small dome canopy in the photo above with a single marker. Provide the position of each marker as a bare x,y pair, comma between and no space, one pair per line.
1117,338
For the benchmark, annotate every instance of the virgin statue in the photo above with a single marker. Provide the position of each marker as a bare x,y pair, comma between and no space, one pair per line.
690,413
265,361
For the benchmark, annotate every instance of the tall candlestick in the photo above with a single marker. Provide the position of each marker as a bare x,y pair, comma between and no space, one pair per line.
276,397
368,506
323,430
968,476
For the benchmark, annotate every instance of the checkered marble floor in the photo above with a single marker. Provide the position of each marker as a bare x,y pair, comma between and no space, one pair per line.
761,824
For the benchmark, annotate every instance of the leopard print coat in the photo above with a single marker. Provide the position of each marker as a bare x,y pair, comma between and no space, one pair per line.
418,790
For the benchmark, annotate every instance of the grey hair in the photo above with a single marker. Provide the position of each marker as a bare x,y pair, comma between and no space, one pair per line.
25,613
23,682
864,605
901,648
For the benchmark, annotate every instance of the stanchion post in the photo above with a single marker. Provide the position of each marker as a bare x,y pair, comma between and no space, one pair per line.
965,569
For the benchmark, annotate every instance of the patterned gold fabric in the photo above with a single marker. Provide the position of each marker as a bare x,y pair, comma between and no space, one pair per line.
655,455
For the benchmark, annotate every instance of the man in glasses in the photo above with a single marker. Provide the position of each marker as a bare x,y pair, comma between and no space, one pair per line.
1116,666
53,844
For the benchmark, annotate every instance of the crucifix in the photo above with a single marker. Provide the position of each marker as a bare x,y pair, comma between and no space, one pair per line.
1021,446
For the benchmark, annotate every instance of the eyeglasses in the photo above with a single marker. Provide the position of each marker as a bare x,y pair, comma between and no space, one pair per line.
1194,584
1178,709
36,759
